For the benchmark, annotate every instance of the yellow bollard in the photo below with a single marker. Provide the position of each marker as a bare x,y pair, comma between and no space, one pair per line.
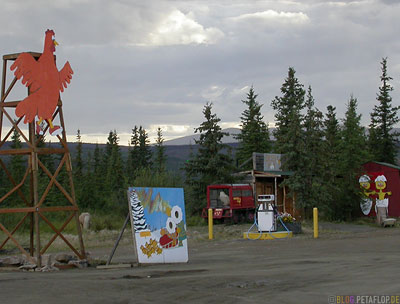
210,224
315,215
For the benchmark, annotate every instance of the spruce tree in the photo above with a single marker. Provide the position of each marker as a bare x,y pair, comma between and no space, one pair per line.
17,166
254,134
312,191
78,169
133,155
140,154
331,156
95,195
113,160
86,198
288,132
145,154
160,157
382,139
78,162
3,184
210,165
353,153
115,182
288,113
17,161
97,160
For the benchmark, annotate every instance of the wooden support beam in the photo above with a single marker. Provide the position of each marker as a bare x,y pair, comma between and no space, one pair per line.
15,229
3,97
10,104
21,151
58,232
56,235
14,56
53,178
17,210
15,126
23,251
35,205
10,131
58,208
16,187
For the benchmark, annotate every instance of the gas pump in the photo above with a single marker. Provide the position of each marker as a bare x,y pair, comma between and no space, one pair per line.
266,221
266,213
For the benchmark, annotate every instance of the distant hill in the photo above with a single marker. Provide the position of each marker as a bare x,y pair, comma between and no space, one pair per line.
177,155
177,150
189,140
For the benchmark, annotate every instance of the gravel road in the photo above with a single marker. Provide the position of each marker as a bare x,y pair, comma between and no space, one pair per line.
352,261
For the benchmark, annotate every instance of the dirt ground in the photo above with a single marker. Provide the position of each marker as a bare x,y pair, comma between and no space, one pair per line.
345,260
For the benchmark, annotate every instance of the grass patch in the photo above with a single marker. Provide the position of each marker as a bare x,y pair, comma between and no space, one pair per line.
100,222
196,221
368,221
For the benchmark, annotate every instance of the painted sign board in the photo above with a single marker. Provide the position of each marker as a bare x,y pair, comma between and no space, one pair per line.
158,224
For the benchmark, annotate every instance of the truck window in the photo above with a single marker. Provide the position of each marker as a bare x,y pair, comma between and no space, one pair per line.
213,198
219,198
236,193
247,193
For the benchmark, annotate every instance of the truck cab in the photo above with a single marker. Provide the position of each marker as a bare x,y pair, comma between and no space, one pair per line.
234,202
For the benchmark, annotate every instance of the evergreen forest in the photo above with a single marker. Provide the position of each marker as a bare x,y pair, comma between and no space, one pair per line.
324,152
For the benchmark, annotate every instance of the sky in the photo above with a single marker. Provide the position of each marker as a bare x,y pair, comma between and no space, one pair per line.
157,63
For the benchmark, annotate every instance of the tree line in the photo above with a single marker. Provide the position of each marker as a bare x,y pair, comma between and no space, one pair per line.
324,153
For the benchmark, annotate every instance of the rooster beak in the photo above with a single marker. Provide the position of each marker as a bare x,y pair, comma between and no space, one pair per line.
55,42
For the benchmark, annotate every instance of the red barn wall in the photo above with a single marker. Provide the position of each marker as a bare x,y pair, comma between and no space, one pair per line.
393,184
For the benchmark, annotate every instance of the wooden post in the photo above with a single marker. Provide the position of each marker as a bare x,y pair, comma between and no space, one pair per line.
118,239
294,204
315,216
276,193
31,198
284,199
3,86
71,182
210,224
35,196
35,203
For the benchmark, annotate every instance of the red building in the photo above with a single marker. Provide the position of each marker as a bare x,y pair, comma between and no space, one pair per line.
381,184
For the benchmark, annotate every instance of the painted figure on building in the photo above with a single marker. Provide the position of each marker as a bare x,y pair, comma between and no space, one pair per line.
366,201
382,202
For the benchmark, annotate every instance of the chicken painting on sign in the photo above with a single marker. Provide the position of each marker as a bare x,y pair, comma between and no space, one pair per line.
44,82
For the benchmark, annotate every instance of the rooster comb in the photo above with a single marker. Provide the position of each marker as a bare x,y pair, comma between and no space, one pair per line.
49,32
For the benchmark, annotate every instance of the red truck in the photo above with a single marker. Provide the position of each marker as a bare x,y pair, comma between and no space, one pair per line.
230,202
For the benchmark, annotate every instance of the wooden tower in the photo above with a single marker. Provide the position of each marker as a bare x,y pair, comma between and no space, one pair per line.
32,204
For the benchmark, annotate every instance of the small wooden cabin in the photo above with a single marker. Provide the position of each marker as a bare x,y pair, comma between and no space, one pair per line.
267,177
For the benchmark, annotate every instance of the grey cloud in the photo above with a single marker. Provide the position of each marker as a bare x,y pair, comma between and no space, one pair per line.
117,85
391,2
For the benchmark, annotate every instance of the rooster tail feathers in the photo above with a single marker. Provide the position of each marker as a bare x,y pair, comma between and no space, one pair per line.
27,107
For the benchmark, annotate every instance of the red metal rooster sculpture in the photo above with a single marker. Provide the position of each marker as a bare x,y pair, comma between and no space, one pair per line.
45,83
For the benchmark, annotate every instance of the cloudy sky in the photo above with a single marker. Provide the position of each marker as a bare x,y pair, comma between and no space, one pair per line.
156,63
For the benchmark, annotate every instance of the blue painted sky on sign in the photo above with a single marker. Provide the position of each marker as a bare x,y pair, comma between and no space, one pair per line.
157,220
